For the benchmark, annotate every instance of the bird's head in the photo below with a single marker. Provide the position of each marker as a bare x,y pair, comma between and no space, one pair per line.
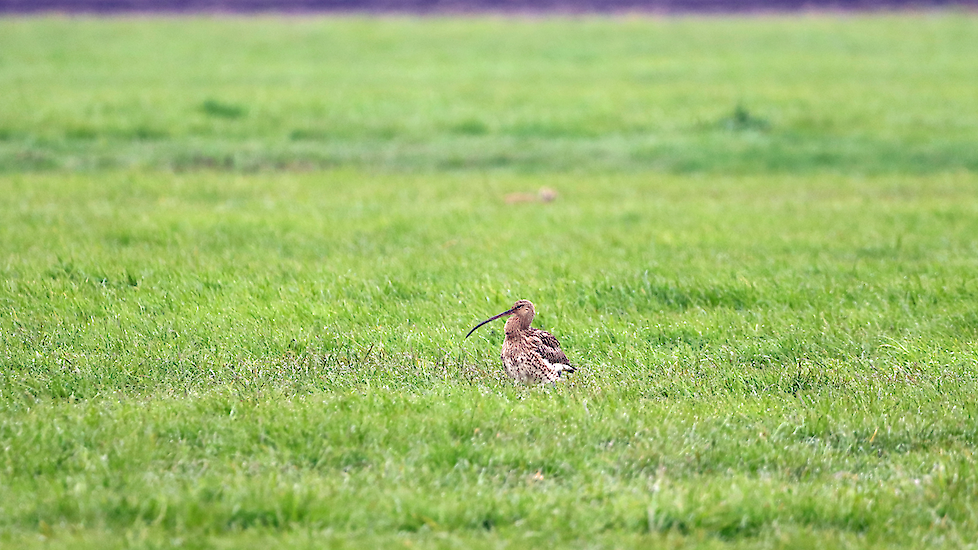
521,314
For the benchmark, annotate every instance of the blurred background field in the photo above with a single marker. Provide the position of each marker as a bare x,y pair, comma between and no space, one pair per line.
852,94
239,254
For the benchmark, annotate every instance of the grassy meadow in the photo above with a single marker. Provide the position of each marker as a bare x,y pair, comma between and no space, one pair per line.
238,257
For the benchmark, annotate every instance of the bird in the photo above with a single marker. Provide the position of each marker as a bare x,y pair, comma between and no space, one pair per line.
529,355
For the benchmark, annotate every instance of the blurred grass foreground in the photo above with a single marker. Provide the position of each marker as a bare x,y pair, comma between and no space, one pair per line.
238,256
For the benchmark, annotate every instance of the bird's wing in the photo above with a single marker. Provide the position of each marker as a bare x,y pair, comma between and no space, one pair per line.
549,347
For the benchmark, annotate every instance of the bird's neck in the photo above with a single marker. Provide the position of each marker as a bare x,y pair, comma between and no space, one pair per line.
516,325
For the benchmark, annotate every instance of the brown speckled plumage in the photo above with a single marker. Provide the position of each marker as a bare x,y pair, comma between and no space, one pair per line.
529,354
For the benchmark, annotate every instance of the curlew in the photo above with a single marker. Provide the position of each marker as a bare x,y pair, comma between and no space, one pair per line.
529,354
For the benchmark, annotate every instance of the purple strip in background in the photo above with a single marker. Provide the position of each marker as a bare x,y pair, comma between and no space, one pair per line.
456,6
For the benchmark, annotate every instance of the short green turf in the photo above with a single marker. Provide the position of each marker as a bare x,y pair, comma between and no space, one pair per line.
239,256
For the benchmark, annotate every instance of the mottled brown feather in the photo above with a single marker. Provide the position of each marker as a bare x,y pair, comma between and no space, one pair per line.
549,347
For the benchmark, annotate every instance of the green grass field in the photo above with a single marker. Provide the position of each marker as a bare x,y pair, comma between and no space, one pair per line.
239,255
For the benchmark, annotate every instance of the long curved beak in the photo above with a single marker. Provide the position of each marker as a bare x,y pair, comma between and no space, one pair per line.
493,318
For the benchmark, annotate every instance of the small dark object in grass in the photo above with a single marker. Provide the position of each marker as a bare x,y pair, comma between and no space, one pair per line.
471,127
212,107
742,119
